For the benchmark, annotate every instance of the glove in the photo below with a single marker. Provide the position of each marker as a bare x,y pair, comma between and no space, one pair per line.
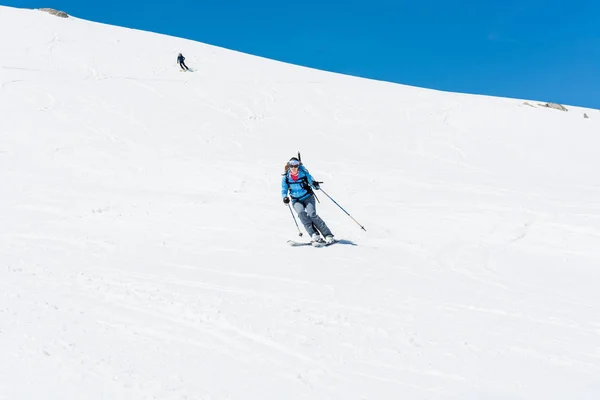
286,200
316,185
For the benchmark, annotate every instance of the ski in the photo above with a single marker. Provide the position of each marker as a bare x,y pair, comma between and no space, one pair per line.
294,243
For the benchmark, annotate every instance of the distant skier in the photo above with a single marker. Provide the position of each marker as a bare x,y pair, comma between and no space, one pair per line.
181,62
298,184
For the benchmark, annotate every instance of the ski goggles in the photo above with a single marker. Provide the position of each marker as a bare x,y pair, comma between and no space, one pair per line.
294,164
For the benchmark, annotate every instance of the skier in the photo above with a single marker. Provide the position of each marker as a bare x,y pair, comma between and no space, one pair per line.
298,184
180,61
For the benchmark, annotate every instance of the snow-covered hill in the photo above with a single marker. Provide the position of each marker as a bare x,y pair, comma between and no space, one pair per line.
143,239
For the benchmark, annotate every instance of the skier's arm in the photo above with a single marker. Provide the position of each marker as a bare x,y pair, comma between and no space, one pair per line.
284,186
310,179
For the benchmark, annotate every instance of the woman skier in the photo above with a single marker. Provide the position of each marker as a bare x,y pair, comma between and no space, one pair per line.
298,184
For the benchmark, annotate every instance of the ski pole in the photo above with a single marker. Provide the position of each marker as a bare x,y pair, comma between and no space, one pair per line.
293,216
336,203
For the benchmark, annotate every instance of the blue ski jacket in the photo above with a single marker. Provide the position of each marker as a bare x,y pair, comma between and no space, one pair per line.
180,58
301,188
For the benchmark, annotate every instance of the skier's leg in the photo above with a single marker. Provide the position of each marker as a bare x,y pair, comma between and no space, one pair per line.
186,67
181,65
304,219
311,212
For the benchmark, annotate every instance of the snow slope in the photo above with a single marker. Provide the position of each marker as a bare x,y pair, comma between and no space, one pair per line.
143,239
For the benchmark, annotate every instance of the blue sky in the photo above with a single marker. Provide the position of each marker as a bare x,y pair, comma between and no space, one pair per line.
540,50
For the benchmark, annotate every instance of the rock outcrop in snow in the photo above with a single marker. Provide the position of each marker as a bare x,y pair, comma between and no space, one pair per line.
58,13
555,106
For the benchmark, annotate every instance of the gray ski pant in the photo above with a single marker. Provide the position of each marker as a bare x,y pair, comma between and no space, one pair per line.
307,212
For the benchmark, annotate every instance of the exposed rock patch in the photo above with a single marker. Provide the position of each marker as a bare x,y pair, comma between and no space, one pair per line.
556,106
58,13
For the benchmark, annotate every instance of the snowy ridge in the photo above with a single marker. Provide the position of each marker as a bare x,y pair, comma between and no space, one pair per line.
143,240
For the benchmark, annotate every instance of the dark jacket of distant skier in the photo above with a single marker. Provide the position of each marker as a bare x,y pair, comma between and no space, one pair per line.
298,184
180,61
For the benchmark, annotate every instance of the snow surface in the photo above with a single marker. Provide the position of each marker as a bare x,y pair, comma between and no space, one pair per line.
143,239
